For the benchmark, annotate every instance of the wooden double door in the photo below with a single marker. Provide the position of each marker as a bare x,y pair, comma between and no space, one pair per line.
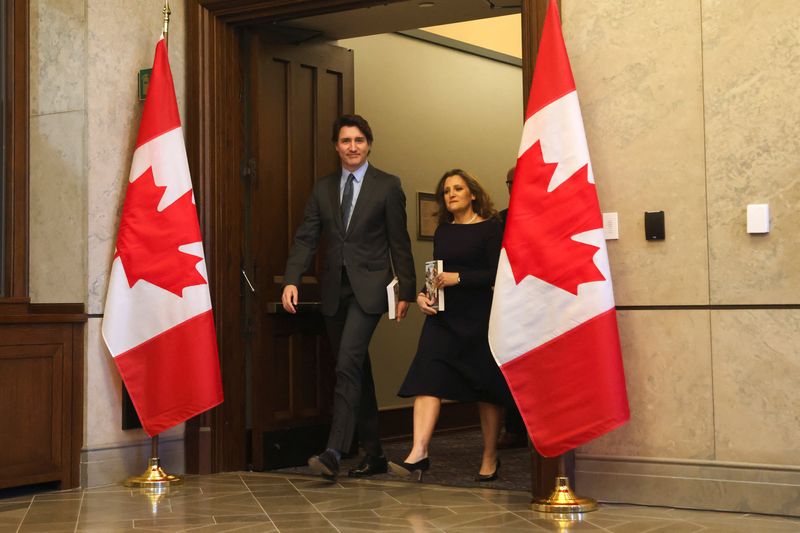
292,95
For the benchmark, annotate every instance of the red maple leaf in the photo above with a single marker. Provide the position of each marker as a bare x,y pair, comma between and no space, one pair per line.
541,224
148,239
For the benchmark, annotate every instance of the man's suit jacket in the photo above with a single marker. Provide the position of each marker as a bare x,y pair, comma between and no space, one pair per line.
375,238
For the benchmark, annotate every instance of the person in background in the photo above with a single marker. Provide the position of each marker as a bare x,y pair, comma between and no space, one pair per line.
453,359
515,434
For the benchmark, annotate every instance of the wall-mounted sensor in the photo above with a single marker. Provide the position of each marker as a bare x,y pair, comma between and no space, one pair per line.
757,218
654,225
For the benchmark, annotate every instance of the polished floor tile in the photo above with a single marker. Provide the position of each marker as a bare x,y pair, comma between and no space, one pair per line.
270,502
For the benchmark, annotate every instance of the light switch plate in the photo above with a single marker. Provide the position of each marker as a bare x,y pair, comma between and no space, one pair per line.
611,226
757,218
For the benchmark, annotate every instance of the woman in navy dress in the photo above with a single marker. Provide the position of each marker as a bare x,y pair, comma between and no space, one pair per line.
453,359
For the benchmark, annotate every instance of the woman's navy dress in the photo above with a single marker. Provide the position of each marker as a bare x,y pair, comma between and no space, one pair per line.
453,359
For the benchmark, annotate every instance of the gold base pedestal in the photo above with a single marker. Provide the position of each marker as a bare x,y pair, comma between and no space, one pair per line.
563,501
153,478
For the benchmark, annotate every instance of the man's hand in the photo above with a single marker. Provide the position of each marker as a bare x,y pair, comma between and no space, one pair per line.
424,304
289,298
401,310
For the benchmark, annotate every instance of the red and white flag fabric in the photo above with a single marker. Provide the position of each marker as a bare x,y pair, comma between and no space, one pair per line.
553,327
158,322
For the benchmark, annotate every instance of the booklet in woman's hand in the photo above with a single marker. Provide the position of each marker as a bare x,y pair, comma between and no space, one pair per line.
432,269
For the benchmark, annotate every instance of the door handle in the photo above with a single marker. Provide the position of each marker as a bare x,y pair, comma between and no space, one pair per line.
247,280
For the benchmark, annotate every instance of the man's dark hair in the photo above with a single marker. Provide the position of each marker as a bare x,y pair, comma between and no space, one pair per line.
351,120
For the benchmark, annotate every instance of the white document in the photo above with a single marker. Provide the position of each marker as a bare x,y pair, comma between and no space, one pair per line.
392,291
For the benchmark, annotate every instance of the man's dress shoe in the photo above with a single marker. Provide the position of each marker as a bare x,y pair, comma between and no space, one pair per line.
325,465
369,466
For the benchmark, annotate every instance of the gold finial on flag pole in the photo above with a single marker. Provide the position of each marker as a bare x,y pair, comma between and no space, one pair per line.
166,11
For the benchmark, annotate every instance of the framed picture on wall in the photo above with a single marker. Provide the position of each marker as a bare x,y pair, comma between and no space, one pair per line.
427,215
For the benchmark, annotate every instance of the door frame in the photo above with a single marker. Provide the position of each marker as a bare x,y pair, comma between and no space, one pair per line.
215,138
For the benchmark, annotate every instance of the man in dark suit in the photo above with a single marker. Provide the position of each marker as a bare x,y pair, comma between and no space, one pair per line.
361,212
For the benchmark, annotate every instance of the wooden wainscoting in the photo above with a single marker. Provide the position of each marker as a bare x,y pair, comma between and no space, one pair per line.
41,393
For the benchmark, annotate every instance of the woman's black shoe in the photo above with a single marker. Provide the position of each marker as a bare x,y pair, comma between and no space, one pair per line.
480,478
410,470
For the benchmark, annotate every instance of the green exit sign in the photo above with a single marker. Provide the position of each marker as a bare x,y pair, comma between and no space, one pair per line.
144,82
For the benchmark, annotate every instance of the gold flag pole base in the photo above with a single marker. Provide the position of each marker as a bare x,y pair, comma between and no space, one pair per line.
563,501
153,478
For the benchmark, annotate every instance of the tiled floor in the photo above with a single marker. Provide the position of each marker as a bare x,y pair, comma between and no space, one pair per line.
246,502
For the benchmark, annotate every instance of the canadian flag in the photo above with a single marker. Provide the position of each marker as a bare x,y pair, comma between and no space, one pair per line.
158,323
553,326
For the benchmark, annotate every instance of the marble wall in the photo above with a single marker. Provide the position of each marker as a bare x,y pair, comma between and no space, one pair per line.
667,359
756,371
751,53
114,111
58,187
691,107
84,120
641,94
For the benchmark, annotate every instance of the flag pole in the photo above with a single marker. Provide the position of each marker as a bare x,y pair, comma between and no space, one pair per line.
154,478
166,12
563,501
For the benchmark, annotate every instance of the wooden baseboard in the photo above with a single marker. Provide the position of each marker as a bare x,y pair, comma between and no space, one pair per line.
398,423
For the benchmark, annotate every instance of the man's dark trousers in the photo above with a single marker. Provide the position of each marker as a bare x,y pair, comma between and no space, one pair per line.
350,331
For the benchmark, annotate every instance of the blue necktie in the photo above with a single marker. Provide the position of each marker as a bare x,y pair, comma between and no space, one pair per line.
347,200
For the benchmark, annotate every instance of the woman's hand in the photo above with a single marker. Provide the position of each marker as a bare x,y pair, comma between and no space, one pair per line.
424,304
447,279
